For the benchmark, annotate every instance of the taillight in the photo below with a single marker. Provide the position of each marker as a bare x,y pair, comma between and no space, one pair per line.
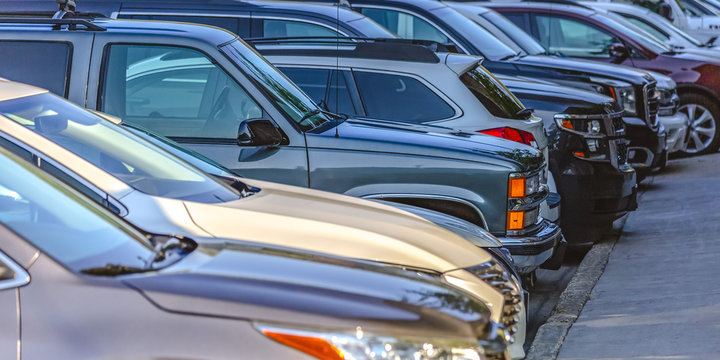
508,133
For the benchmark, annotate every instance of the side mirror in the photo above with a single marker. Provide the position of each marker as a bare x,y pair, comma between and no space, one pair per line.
665,11
618,52
711,42
259,132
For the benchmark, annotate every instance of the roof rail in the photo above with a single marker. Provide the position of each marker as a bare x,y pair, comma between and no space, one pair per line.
346,40
56,23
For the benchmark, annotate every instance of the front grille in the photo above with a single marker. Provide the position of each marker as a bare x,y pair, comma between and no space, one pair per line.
622,153
494,275
618,126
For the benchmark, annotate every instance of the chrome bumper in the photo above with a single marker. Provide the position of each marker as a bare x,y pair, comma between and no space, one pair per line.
532,250
676,127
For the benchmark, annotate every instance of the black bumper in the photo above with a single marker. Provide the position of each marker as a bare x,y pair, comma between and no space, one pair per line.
594,194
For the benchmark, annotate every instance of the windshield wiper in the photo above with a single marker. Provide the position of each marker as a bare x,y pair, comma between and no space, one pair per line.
165,247
112,270
314,112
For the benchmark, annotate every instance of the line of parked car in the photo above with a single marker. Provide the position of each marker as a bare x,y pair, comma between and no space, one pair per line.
374,179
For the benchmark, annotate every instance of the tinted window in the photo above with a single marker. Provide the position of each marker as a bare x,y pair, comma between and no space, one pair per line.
340,98
239,26
43,64
313,82
649,28
573,38
520,37
120,153
63,224
288,28
405,25
400,98
174,91
496,98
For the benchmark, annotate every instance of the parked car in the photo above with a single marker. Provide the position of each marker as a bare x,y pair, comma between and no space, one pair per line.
68,265
657,26
691,16
674,122
698,88
160,193
364,81
284,136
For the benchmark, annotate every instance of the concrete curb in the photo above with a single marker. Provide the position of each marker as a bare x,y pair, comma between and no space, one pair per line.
551,335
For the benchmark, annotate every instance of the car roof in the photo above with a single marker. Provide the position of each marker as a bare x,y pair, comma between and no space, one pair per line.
146,27
13,90
576,8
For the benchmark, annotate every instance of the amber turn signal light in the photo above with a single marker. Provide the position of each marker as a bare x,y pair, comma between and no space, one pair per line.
515,220
312,346
516,188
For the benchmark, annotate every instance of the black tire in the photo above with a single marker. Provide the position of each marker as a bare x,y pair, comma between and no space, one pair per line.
704,115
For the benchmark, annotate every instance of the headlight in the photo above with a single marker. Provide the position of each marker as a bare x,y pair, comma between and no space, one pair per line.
519,188
359,345
625,97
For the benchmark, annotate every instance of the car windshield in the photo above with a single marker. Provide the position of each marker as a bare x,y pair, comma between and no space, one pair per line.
622,26
62,223
122,154
493,94
489,46
286,95
520,37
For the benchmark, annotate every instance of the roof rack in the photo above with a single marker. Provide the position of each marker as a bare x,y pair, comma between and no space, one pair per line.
368,48
58,19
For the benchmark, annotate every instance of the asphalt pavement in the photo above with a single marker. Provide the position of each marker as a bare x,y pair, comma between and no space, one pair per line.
659,296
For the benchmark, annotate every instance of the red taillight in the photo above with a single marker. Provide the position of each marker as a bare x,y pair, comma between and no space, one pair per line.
520,136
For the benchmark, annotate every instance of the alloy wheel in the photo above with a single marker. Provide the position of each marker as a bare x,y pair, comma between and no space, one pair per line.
702,127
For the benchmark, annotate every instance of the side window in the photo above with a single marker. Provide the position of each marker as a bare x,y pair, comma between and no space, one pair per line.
288,28
573,38
400,98
238,26
405,25
177,92
518,19
313,82
649,28
40,63
340,97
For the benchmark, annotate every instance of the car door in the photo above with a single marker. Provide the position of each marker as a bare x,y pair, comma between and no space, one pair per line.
198,100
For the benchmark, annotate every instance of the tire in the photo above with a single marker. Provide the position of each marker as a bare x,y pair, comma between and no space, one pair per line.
704,130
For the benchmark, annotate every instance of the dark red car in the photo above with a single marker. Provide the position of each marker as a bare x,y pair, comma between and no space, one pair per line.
578,31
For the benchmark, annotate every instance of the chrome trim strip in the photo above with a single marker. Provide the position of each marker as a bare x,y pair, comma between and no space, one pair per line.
21,276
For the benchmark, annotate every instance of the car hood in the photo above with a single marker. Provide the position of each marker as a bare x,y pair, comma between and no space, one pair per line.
270,285
695,56
311,220
425,140
558,67
547,96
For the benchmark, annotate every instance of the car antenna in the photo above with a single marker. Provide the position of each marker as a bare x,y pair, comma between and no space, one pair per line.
65,7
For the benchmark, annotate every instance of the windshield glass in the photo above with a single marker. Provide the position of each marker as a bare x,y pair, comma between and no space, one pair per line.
493,94
489,46
286,95
520,37
622,26
62,223
122,154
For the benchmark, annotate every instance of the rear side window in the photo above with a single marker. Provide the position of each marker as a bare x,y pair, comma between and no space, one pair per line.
39,63
405,25
238,26
400,98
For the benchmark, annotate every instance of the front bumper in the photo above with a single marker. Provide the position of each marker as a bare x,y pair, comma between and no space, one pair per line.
594,194
532,250
676,127
648,149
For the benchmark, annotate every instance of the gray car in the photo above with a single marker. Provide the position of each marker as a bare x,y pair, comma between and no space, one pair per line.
82,284
243,113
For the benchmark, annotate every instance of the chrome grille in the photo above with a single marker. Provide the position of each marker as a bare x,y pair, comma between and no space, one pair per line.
622,153
495,275
652,104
